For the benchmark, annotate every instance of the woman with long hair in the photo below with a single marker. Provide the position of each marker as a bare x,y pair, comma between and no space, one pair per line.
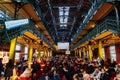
9,69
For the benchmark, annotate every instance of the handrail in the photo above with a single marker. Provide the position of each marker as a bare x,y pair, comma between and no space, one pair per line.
36,7
39,34
4,15
7,35
107,25
18,31
95,6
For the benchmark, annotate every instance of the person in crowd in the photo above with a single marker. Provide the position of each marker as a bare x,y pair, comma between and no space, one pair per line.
112,73
86,76
96,74
91,68
104,75
73,68
80,76
9,69
61,72
65,69
113,63
118,69
102,63
22,67
15,73
107,62
75,76
53,75
26,75
35,69
45,77
117,77
1,68
70,72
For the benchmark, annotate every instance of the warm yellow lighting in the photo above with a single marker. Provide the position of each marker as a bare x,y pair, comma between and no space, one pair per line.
41,52
93,25
1,27
37,26
5,0
42,65
34,37
103,35
56,47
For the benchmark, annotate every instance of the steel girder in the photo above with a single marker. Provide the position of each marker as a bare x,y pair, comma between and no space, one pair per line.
38,10
39,34
95,6
109,24
37,7
8,35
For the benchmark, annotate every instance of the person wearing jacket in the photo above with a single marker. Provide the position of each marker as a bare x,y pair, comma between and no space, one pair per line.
9,69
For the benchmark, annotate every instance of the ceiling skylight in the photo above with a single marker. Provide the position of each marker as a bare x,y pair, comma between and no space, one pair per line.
1,14
63,25
63,11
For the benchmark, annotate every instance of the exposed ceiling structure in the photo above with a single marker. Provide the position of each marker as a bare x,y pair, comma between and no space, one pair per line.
64,17
61,20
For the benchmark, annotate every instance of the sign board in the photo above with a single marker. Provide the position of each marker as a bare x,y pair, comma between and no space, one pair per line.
67,52
16,23
63,45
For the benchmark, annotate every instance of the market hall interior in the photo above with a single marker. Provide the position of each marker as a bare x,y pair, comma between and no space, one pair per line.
44,30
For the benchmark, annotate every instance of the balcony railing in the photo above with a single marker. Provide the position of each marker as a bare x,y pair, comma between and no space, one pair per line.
109,24
8,35
37,8
39,34
92,11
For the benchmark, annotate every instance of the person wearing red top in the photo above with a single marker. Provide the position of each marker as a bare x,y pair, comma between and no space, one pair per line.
25,78
26,75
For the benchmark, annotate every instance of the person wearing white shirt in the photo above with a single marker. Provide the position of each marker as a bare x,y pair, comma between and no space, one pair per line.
96,74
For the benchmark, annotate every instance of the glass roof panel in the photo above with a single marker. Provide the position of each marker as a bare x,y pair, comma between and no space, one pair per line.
60,13
61,25
1,14
63,11
61,20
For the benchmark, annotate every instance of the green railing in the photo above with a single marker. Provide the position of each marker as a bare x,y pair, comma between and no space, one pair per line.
8,35
42,16
92,11
38,10
4,16
39,34
109,24
25,1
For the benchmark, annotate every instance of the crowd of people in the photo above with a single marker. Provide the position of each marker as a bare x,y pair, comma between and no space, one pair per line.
62,67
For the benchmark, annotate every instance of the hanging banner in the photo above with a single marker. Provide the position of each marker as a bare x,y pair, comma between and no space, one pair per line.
16,23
